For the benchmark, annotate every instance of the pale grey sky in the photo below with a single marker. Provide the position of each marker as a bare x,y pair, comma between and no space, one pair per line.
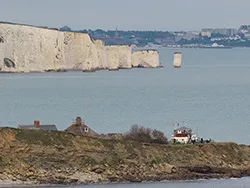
128,14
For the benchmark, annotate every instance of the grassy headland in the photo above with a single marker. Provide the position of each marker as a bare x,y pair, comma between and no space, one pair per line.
60,157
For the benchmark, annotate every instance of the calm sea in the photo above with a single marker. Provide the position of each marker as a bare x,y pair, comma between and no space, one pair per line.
221,183
210,94
230,183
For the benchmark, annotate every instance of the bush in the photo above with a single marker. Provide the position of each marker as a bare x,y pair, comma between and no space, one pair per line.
159,137
142,134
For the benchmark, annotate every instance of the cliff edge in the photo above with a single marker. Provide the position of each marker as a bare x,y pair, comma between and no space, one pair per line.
59,157
26,48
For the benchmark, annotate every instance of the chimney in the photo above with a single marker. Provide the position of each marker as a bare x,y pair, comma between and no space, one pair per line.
78,121
37,123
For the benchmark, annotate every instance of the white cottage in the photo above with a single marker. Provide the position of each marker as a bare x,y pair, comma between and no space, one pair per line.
182,135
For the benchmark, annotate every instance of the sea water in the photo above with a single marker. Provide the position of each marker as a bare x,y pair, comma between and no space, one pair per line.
210,94
229,183
220,183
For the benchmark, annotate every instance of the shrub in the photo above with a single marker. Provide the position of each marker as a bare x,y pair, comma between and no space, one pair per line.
159,137
142,134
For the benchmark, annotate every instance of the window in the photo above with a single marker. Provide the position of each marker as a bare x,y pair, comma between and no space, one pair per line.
86,129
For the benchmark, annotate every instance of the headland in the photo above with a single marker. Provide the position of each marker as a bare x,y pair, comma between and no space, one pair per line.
25,48
47,156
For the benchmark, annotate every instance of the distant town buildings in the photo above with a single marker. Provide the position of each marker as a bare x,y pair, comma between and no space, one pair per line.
223,31
154,39
206,33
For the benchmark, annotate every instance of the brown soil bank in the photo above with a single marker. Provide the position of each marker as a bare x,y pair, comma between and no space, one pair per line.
59,157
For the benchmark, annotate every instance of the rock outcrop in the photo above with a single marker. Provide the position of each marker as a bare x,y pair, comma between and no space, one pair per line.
145,59
118,57
80,52
58,157
101,54
26,48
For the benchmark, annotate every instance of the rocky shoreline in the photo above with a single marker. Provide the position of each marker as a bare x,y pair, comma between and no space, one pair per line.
79,70
56,157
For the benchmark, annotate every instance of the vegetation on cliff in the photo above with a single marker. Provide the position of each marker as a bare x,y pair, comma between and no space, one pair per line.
60,157
147,135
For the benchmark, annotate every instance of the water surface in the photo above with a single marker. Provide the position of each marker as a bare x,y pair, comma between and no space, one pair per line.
221,183
210,93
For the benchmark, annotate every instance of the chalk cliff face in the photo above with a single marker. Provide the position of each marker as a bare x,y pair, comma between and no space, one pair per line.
145,58
101,54
31,48
80,51
2,54
118,56
125,57
26,48
112,57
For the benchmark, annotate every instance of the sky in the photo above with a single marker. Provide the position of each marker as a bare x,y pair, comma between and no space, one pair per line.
170,15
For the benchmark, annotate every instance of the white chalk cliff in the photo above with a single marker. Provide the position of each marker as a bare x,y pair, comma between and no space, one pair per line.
27,48
145,58
118,56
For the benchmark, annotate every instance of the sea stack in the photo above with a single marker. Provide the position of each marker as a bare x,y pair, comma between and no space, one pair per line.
177,59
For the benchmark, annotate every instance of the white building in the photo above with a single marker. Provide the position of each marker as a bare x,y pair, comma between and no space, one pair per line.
182,135
206,33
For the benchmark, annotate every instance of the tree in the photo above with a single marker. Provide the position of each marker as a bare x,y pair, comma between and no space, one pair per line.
65,28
